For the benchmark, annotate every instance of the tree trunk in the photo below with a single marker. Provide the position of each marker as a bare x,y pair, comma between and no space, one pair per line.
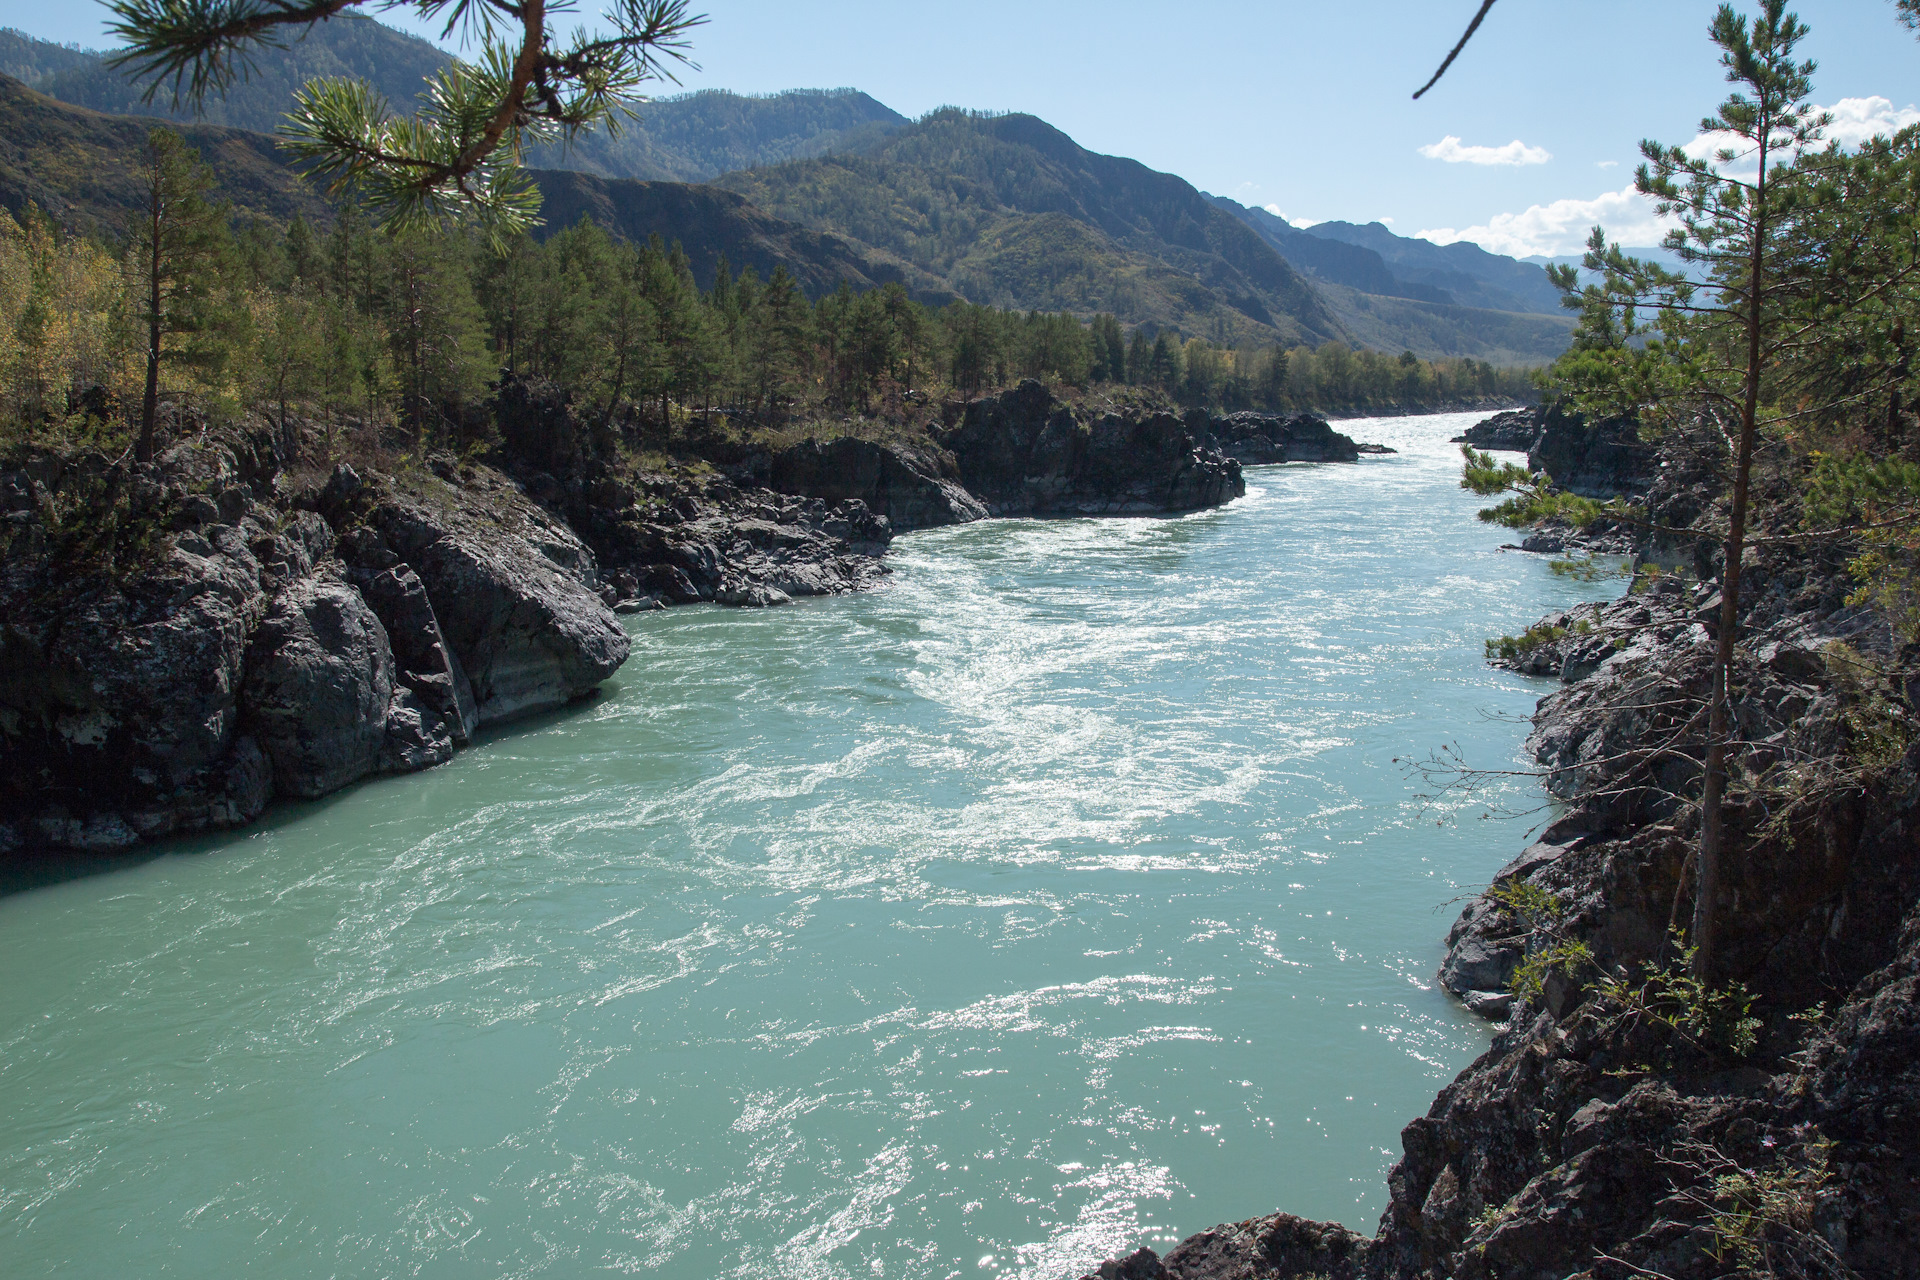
1705,933
150,400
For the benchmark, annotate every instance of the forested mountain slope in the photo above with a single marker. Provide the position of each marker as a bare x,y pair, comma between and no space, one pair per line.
699,136
31,61
393,62
709,222
1016,213
82,167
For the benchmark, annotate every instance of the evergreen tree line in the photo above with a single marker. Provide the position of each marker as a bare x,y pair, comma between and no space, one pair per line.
355,323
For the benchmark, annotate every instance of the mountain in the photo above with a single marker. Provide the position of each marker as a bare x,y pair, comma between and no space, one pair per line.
699,136
1015,213
1383,309
1474,277
1003,210
1331,260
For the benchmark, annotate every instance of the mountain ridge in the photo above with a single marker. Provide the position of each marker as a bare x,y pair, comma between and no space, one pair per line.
938,190
1471,274
1001,209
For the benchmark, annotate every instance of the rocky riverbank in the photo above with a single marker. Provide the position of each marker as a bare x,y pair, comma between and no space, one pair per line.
1625,1123
187,639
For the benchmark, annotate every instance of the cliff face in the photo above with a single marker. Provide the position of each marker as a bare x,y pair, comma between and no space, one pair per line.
1623,1123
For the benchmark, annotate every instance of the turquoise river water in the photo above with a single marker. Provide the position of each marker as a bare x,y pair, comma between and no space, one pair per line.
1061,896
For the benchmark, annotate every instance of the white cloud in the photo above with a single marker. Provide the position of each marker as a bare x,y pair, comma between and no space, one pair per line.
1607,164
1562,226
1854,121
1453,151
1857,119
1281,214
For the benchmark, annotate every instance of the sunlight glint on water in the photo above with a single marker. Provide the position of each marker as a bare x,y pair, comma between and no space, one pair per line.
1062,896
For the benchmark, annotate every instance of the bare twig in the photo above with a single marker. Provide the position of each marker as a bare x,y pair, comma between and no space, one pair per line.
1472,27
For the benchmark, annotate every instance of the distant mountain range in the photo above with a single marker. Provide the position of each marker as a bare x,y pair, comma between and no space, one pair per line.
834,185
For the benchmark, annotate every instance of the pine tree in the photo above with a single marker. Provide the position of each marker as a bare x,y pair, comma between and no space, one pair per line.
1165,366
1734,225
973,338
778,328
434,327
1139,354
1109,350
629,356
1273,387
178,240
303,255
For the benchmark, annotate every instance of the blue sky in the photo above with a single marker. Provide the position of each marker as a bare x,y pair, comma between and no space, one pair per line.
1300,105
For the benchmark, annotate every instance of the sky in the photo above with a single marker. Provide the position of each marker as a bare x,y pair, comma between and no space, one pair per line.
1301,106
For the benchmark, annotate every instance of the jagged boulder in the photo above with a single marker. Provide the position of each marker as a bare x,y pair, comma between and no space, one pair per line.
318,687
514,592
1276,1247
423,663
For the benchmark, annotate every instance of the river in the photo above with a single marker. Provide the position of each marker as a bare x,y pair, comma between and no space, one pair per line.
1069,893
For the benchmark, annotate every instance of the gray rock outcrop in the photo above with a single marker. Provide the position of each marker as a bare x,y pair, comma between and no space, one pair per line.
1511,431
319,687
1024,453
119,710
911,489
513,594
241,649
682,544
424,664
1261,438
1595,459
